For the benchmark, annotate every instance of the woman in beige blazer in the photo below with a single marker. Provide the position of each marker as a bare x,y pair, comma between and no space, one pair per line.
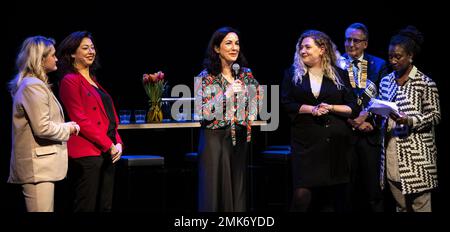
39,152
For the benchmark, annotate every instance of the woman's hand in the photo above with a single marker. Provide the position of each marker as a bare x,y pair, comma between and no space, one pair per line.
118,153
402,118
327,106
236,87
74,128
320,110
365,127
358,121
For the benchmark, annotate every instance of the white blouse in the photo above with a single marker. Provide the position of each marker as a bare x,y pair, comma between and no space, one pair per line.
316,84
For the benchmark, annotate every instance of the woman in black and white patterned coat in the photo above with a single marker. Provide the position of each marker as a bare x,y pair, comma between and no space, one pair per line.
410,153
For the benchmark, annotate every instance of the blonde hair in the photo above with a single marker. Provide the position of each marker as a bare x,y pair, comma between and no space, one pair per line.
30,59
328,59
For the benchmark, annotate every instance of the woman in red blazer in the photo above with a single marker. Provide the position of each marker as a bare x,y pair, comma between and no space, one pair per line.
92,154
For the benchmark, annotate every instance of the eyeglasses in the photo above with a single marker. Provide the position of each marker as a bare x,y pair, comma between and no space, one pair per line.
355,41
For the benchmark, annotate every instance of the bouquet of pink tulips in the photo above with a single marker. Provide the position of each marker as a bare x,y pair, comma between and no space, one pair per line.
154,85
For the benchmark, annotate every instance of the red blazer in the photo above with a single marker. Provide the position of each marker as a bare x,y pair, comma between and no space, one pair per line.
84,105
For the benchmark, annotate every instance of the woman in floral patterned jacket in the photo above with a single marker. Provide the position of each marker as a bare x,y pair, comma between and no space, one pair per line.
228,106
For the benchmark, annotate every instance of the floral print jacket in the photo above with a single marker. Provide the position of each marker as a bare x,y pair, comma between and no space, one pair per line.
217,111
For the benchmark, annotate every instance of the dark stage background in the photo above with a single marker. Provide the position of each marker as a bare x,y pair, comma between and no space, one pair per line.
133,38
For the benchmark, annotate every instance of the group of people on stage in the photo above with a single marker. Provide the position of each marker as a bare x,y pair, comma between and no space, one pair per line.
343,155
44,146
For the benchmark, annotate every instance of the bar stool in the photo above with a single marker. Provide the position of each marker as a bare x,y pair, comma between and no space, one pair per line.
191,157
142,160
273,172
279,148
276,156
190,181
140,183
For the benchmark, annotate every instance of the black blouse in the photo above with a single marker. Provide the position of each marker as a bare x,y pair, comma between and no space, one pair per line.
108,104
321,145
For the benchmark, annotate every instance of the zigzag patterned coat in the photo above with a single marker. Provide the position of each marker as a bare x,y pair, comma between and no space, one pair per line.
419,99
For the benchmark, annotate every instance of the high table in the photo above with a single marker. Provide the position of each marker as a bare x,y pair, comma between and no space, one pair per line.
176,124
172,124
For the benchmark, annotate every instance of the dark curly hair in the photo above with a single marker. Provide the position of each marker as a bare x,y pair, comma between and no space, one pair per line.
212,61
410,39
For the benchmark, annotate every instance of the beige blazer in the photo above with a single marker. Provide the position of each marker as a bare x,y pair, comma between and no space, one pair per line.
39,135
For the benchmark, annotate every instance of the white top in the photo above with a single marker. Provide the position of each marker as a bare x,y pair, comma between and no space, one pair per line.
316,83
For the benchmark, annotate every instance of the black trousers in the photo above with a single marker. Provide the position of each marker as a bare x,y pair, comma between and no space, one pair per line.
222,171
365,193
92,182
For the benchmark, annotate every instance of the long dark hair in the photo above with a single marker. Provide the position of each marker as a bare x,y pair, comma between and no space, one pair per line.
212,61
68,47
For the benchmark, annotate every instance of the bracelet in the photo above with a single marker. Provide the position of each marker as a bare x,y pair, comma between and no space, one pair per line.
312,110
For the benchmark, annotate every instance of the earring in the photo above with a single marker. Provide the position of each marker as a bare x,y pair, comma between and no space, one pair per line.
410,60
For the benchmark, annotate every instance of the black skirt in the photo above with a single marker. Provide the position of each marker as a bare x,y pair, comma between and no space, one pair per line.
321,151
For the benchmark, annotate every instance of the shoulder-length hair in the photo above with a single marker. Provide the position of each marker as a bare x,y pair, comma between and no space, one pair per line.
67,48
30,60
328,59
212,61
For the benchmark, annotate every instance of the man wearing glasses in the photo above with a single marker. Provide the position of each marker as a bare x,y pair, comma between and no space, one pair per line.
365,72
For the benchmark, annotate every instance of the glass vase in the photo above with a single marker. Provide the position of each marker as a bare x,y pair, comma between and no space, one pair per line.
155,113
